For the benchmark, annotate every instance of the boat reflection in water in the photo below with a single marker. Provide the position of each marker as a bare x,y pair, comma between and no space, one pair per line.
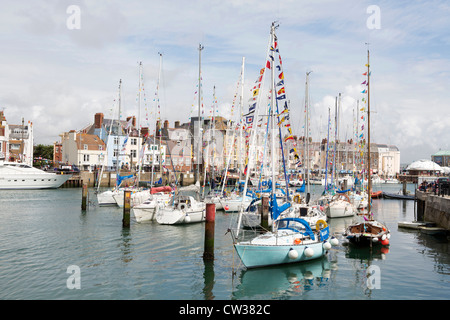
281,281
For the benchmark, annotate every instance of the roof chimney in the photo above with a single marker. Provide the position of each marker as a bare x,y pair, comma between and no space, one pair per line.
166,124
98,120
177,124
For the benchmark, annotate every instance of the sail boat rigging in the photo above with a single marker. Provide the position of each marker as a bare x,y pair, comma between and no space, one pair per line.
369,231
290,239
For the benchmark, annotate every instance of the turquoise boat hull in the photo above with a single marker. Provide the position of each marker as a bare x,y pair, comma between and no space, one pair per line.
253,256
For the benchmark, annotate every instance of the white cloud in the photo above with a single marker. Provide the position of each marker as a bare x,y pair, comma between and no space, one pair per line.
65,76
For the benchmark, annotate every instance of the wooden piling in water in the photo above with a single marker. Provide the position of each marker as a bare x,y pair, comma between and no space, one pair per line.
126,208
84,194
265,212
208,253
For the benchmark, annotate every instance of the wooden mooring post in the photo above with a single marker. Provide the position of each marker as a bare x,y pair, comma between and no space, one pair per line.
84,195
126,208
208,253
265,212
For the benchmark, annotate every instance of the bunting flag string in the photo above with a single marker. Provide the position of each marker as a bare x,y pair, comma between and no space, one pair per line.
281,98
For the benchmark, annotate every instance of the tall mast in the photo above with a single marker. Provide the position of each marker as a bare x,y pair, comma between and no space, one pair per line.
334,176
241,114
307,129
160,122
272,104
213,135
139,123
369,185
199,133
118,125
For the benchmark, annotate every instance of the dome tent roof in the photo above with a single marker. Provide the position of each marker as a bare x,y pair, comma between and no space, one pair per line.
424,165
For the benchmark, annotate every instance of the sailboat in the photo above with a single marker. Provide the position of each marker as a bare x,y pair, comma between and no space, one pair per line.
339,204
368,231
313,214
290,239
106,198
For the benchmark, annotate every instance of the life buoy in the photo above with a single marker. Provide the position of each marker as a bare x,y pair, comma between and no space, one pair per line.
320,223
297,198
182,206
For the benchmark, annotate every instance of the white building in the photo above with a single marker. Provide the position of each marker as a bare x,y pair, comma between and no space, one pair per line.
16,141
86,151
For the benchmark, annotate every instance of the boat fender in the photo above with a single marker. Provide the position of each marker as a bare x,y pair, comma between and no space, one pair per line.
334,241
383,237
182,206
292,254
321,224
375,239
326,245
385,242
309,252
187,219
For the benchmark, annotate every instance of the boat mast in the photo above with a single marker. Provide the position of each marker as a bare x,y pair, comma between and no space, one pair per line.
139,123
199,133
241,115
118,126
272,104
334,176
307,133
369,185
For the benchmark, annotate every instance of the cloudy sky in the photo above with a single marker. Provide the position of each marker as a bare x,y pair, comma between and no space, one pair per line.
58,68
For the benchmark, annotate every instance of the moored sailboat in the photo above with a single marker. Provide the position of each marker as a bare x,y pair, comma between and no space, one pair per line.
290,239
368,231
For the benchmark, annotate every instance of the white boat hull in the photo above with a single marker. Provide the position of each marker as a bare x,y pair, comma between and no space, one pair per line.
14,175
177,216
339,209
33,181
147,210
106,198
234,205
137,197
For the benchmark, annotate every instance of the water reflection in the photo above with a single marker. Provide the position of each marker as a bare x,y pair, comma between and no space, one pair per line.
208,276
126,245
283,281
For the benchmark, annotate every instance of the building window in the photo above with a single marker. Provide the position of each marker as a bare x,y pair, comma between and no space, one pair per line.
85,157
100,147
116,140
133,153
133,141
85,147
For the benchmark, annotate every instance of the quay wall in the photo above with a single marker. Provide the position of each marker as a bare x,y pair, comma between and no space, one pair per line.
433,208
108,179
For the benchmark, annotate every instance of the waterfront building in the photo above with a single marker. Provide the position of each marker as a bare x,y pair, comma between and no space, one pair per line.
87,151
4,138
16,141
442,158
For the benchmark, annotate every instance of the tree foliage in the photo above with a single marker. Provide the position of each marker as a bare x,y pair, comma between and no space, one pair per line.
43,151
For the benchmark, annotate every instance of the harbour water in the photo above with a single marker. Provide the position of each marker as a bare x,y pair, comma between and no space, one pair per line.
45,236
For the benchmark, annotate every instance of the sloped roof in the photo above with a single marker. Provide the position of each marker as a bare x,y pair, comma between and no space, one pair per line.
92,141
442,153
